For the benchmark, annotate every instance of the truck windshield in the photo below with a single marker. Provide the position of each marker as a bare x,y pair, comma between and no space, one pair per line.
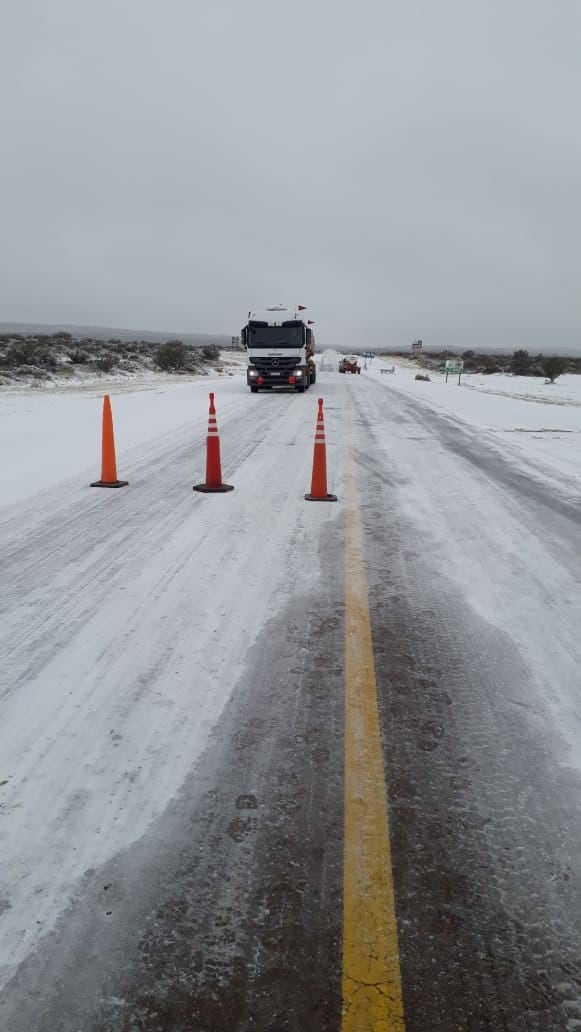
275,337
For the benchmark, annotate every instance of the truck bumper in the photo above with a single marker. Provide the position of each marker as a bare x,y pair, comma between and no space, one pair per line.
267,379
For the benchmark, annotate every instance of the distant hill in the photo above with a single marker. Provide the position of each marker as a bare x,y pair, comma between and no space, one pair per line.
113,332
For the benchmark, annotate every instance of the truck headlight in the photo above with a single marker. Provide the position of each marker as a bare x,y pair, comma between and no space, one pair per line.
298,372
253,372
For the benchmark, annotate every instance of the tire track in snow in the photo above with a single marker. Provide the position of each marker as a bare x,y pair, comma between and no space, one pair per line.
83,568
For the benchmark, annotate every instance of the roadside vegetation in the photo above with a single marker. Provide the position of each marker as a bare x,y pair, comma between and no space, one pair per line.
520,363
61,356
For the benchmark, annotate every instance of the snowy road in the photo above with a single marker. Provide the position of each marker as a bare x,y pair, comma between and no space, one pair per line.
172,717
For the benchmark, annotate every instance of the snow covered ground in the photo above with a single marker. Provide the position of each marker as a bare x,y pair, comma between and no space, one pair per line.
543,420
54,432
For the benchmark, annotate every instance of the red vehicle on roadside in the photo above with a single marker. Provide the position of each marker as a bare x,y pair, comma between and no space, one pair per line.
349,364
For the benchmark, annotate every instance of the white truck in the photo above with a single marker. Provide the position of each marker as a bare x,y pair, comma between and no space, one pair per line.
280,345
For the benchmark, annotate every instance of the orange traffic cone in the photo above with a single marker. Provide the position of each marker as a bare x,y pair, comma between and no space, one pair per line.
319,477
108,463
213,465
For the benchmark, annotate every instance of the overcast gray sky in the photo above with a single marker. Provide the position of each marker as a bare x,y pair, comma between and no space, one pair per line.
407,168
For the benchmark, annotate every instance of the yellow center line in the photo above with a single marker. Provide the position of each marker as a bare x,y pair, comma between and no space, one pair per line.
372,995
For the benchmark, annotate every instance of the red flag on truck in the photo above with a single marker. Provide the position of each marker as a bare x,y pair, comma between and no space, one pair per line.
302,308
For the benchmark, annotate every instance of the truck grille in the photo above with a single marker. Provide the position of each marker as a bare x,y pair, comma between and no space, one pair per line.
284,364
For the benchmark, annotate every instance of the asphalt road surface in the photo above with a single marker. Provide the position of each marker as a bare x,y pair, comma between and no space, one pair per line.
383,828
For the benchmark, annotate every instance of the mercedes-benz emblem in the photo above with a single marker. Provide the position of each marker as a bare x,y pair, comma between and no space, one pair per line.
275,361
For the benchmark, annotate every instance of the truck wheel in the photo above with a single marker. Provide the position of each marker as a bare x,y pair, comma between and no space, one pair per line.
301,389
254,390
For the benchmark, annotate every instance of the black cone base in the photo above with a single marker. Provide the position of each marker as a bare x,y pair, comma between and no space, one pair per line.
113,483
213,490
317,498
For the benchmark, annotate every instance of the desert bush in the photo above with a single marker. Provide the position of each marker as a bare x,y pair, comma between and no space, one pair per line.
172,357
211,352
520,363
8,359
105,364
553,366
43,356
79,357
24,352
